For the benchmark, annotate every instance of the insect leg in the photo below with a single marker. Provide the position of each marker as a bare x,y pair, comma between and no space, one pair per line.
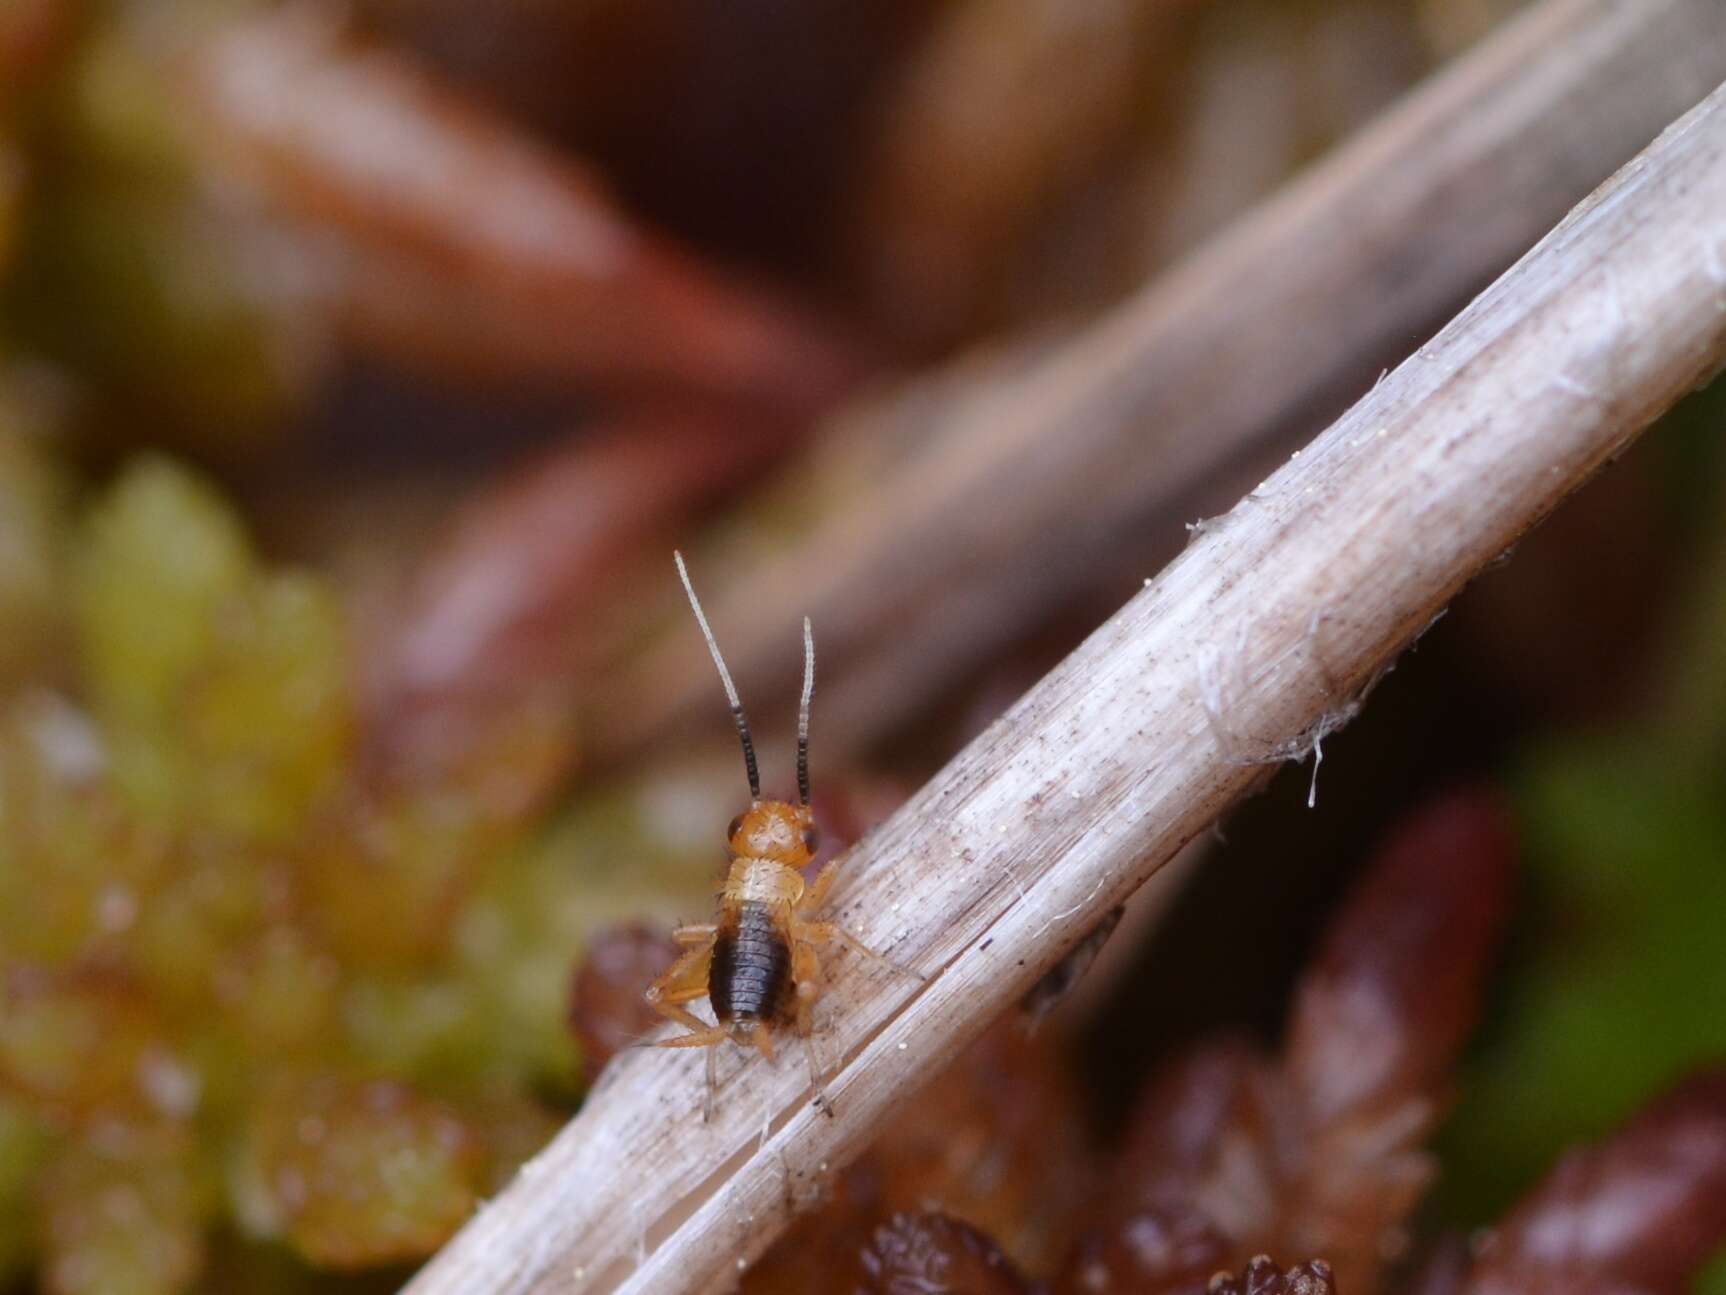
819,887
684,981
762,1037
709,1036
708,1097
806,975
823,932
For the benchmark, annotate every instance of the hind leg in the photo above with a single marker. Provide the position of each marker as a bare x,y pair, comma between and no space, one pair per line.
762,1038
806,975
683,982
709,1037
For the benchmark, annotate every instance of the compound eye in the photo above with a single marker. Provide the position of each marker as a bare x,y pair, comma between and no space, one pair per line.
735,827
811,839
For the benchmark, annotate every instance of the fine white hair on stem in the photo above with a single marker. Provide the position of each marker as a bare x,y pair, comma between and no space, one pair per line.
1564,382
1068,912
725,679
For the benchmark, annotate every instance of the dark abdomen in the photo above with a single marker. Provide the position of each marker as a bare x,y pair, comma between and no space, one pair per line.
751,967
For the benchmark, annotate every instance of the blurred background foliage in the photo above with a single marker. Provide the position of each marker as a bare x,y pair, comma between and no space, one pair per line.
346,359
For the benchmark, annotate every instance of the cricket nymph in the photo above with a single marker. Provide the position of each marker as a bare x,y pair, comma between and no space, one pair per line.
758,964
750,976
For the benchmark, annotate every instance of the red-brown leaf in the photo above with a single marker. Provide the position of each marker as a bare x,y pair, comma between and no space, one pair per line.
1640,1210
460,246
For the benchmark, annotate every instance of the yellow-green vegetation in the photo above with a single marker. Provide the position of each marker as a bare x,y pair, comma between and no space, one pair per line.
170,300
242,991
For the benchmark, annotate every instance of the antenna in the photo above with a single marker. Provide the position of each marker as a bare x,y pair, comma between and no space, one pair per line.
731,688
803,714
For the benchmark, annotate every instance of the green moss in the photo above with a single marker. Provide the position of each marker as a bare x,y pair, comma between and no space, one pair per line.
203,908
225,689
24,1146
387,881
71,1043
268,720
207,894
361,1174
437,1029
72,870
158,558
124,1213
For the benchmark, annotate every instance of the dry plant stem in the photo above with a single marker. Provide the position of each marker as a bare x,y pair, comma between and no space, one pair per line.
1246,645
1235,351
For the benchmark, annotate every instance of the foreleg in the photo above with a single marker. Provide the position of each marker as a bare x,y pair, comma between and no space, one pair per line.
817,892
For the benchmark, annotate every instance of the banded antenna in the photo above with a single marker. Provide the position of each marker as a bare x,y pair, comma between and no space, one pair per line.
731,688
803,713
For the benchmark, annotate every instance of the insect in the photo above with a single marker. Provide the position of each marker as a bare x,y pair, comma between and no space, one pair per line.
759,964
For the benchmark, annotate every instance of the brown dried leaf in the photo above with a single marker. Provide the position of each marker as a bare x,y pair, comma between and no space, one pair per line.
502,618
1230,1155
971,153
1378,1023
1641,1210
459,246
1197,1182
1444,1270
929,1252
607,1007
730,120
1395,990
993,1142
31,32
1261,1276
